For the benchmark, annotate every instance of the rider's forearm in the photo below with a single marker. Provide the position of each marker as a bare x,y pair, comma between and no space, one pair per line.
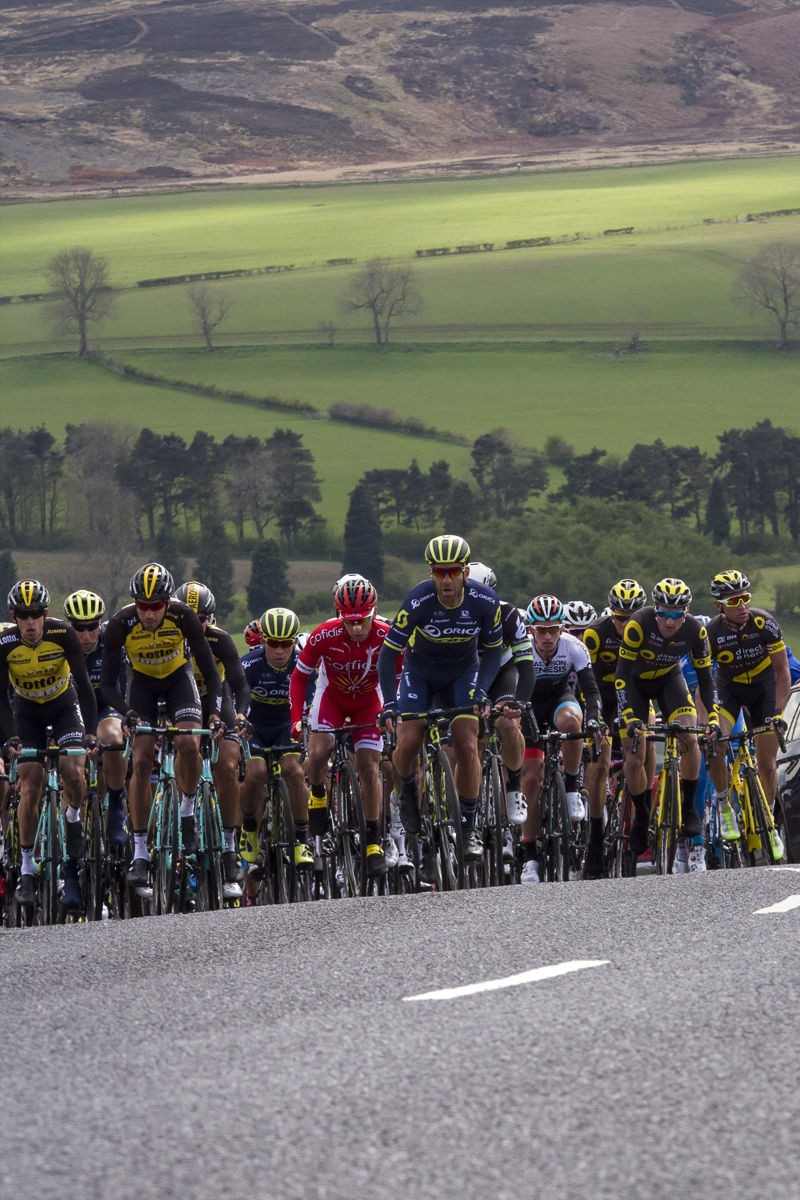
705,684
526,677
490,665
387,674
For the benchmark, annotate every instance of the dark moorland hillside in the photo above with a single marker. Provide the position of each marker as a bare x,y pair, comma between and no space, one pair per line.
170,88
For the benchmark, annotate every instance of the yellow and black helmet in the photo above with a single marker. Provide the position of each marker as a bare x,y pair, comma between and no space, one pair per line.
199,598
627,596
280,623
729,583
447,551
152,583
671,593
84,606
27,594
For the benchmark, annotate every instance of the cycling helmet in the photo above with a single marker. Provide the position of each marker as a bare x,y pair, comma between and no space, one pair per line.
253,635
280,623
480,573
346,578
447,551
545,610
199,598
578,615
729,583
356,599
627,596
607,612
672,593
84,606
152,583
27,594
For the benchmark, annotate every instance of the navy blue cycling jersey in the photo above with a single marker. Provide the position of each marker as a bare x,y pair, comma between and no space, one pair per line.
269,688
431,633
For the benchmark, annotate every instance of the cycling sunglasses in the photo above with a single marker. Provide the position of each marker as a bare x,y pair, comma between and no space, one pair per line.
33,613
150,605
551,629
85,626
279,643
446,572
671,614
735,601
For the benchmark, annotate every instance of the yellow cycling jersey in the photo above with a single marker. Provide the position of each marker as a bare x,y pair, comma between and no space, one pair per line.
159,652
40,673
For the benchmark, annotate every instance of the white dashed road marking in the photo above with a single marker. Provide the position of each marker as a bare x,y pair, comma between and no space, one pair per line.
493,985
781,907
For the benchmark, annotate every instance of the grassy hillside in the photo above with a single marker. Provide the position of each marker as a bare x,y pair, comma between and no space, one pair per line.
146,236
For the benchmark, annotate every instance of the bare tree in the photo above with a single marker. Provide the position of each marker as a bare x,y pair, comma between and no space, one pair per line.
771,280
329,329
209,311
82,295
385,291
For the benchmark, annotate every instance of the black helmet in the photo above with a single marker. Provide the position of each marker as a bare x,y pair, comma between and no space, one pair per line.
27,594
152,583
199,598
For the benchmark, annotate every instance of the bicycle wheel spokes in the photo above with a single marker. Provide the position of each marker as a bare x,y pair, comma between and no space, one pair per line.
281,843
446,818
95,859
666,842
167,846
50,858
352,831
762,817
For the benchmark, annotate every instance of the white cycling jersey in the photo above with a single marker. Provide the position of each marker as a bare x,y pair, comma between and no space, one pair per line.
571,656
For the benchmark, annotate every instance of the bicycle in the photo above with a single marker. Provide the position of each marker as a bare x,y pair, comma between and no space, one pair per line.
555,836
95,873
50,840
500,850
757,826
348,824
665,815
274,868
15,915
619,859
440,812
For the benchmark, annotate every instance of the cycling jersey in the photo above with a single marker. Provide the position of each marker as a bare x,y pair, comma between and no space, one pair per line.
41,673
552,674
229,665
603,641
647,655
517,649
157,654
742,652
269,688
347,667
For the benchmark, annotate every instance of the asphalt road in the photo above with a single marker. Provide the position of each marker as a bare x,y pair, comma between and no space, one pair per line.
271,1053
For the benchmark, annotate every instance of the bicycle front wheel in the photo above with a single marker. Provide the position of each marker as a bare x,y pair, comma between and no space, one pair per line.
446,818
351,839
282,843
50,860
494,810
167,843
558,831
95,858
668,821
762,816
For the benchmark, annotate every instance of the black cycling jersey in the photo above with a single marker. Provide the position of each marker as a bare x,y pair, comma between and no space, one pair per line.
158,654
41,673
742,652
229,665
603,641
517,648
269,687
646,654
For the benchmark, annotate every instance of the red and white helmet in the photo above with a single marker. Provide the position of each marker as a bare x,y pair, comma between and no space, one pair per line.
253,635
355,598
545,610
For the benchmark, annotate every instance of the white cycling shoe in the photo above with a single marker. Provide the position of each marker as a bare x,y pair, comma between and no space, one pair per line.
681,864
697,859
516,808
390,852
575,806
530,872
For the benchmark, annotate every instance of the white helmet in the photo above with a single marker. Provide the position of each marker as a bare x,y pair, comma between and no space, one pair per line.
346,578
606,612
578,615
480,573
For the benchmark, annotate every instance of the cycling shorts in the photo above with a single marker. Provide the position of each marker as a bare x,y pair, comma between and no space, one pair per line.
330,709
757,698
62,714
440,688
265,736
545,705
670,692
227,714
106,712
178,690
504,687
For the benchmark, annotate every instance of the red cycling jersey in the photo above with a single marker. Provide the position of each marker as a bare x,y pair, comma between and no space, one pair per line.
348,668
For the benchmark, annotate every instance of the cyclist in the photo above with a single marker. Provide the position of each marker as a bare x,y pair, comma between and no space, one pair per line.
253,635
345,651
84,611
160,637
752,672
41,659
512,685
556,656
235,702
602,638
648,670
269,670
577,617
442,624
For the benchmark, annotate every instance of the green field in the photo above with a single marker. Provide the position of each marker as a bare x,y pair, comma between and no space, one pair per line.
164,234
